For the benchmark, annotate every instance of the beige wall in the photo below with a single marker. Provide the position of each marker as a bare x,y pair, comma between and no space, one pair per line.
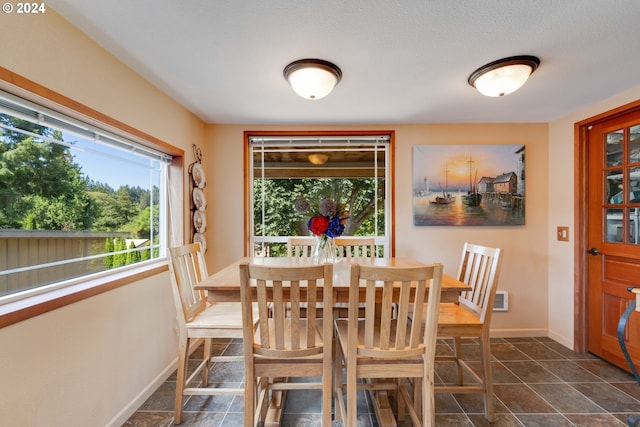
93,362
524,273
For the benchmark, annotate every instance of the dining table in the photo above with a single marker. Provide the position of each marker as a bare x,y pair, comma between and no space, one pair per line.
224,286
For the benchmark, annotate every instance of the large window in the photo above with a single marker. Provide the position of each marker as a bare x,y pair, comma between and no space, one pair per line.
290,171
75,199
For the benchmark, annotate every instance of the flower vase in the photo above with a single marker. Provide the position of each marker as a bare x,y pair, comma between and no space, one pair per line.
325,250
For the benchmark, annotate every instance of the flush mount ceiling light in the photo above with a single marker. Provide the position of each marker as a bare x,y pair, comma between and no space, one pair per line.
503,76
312,78
318,158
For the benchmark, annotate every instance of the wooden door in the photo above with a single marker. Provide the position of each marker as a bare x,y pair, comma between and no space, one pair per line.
613,258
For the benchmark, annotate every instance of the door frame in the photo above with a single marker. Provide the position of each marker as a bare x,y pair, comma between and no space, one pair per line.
581,219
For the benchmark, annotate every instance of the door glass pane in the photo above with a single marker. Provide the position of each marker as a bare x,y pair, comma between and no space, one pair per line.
634,185
634,217
613,225
634,144
614,147
613,186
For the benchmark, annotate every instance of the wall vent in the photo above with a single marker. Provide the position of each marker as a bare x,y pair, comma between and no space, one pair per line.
501,302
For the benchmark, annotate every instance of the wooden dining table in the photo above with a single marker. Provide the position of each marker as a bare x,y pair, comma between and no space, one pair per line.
224,286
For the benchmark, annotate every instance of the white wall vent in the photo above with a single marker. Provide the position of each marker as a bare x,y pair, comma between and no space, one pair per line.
501,302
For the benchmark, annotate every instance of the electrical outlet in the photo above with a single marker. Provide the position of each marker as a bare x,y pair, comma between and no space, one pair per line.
563,234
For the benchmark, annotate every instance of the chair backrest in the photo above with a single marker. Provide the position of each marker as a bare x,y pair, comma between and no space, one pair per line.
480,269
279,293
188,268
300,247
356,247
384,336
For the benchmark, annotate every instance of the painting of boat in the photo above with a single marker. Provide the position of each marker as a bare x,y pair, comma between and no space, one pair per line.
471,185
472,198
446,198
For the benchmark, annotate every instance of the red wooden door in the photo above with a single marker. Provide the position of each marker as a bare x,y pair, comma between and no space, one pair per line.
613,235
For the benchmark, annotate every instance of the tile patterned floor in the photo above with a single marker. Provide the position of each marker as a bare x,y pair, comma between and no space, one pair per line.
537,382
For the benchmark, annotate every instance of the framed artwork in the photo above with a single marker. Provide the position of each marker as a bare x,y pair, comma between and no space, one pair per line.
468,185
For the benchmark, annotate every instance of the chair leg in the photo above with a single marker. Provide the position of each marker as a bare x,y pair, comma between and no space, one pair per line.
352,397
428,401
337,384
400,408
207,365
417,396
249,396
263,398
457,352
485,356
180,379
327,391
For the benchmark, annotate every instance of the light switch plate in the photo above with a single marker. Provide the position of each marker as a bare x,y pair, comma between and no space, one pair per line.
563,234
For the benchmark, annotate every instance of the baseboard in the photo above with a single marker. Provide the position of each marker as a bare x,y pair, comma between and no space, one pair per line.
514,333
567,342
142,397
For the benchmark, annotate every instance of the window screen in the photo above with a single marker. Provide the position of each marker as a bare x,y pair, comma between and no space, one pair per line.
352,171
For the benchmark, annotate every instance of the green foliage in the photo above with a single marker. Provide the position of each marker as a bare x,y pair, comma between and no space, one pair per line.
145,254
120,259
108,248
142,223
42,188
133,256
40,185
356,197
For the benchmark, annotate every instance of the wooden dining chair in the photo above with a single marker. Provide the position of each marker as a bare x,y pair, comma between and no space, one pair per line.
470,317
197,318
284,344
355,248
300,247
382,347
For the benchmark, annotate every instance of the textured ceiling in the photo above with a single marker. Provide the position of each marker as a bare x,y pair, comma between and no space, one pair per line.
403,61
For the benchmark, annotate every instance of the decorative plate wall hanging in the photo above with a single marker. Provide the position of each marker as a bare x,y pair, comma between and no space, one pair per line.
199,221
197,172
198,201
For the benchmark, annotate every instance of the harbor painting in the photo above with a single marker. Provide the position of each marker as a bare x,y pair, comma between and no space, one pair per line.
468,185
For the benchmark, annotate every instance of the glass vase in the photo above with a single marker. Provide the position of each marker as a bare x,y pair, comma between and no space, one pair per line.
325,250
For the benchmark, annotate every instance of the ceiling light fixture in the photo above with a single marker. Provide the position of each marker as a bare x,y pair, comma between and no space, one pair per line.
312,78
503,76
318,158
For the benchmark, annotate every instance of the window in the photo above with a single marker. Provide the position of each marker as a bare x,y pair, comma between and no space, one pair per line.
76,199
352,170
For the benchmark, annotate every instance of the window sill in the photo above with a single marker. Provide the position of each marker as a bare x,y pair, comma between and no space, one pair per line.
29,307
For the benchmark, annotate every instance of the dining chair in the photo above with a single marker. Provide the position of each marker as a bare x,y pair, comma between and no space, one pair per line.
470,317
199,319
356,247
283,344
300,247
382,347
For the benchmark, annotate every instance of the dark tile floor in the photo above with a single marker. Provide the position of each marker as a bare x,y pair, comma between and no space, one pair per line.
537,382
